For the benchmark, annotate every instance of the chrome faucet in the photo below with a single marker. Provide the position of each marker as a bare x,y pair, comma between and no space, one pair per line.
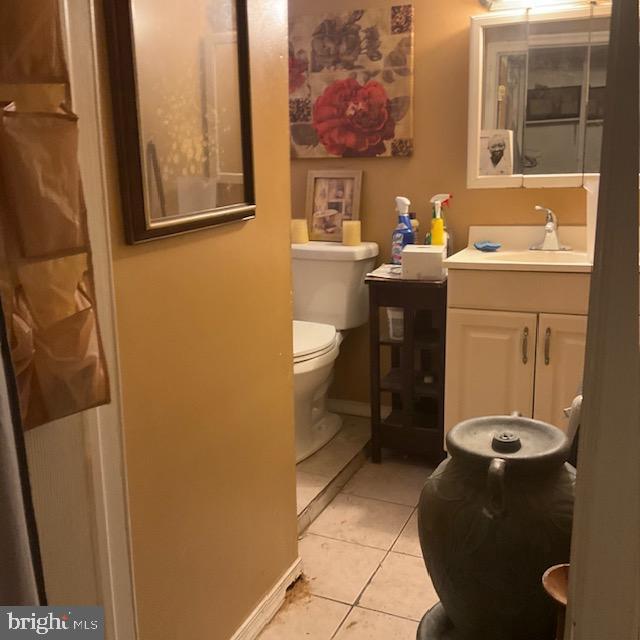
551,241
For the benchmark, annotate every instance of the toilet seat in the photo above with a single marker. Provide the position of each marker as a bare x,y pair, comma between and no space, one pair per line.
312,340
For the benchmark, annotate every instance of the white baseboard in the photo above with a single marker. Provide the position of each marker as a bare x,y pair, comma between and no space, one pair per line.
354,408
268,607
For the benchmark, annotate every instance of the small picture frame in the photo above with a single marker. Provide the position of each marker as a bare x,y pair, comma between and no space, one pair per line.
496,152
332,198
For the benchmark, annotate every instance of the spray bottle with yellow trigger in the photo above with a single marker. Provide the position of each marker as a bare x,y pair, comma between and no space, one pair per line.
437,234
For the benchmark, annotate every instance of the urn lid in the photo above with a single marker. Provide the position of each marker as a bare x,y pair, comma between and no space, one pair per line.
513,438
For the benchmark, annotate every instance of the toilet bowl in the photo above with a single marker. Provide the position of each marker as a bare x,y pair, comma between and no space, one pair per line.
315,349
329,296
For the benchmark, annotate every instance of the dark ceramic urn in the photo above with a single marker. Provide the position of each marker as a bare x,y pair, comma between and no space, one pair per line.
492,519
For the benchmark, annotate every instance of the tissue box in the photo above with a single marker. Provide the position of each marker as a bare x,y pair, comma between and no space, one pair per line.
424,262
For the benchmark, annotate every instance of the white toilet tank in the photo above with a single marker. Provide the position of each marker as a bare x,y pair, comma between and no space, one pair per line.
328,282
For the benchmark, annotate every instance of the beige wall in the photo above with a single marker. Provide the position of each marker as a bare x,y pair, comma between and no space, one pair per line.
438,164
204,323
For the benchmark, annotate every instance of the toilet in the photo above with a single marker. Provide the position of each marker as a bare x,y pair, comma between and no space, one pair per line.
329,297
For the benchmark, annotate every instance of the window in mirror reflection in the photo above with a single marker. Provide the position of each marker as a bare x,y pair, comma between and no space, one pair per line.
186,61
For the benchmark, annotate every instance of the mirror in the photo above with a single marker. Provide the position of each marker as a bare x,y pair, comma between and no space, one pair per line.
537,90
567,66
180,85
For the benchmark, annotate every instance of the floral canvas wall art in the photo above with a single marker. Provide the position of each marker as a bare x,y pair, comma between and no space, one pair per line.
351,83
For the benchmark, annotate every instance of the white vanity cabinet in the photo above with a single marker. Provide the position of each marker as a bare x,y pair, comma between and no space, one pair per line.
490,364
560,352
504,361
515,342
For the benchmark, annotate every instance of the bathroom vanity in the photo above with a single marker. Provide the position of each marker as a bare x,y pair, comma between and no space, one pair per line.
516,326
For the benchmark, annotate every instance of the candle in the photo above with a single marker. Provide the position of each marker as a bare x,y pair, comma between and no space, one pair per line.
351,232
299,231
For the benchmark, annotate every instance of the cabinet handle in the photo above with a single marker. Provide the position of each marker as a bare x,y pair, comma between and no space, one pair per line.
525,345
547,346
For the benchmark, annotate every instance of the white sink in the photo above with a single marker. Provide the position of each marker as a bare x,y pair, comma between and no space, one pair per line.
515,255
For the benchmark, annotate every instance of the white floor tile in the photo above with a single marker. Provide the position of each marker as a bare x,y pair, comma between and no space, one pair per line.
362,624
395,481
408,542
304,616
401,587
328,494
335,569
324,474
362,521
337,453
308,487
355,429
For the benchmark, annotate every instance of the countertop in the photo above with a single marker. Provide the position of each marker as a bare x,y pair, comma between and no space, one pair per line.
515,255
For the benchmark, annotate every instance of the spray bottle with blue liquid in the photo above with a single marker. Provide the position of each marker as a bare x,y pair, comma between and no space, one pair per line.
403,234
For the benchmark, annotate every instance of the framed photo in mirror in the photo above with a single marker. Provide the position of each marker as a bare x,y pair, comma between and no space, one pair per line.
496,152
182,114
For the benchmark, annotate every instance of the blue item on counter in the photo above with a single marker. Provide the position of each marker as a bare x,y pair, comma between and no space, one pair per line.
486,245
402,235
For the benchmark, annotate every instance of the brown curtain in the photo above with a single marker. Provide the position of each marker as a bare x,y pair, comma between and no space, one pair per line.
46,276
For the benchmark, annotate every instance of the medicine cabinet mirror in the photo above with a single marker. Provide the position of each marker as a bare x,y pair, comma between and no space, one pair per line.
180,86
537,87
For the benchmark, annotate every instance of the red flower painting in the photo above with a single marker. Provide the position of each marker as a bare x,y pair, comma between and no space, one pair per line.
353,120
297,72
351,83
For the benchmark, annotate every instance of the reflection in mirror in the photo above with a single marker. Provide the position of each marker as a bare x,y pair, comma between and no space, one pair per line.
553,141
503,105
562,57
597,83
186,71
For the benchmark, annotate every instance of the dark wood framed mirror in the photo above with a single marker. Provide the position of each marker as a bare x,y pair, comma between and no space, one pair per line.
179,72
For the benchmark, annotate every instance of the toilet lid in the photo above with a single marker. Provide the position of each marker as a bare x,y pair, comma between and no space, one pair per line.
311,338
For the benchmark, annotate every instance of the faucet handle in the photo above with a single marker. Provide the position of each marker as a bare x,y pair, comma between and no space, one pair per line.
551,216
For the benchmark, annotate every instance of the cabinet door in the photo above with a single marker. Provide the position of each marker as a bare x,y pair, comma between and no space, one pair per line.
490,364
559,365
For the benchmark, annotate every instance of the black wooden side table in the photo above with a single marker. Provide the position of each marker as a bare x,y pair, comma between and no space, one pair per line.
415,379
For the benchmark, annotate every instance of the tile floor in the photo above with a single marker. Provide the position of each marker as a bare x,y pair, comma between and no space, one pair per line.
322,475
364,577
